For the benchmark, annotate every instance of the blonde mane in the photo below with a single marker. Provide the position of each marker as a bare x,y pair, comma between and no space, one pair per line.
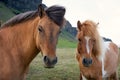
90,29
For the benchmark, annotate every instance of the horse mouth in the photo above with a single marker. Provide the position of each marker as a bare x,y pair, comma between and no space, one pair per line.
86,65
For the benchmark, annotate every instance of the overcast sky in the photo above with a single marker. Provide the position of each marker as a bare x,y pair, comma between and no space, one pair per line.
106,12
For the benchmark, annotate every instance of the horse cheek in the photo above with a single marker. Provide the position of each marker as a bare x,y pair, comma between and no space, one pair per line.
78,57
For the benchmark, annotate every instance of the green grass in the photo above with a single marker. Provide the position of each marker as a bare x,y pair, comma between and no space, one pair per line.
66,68
5,13
64,43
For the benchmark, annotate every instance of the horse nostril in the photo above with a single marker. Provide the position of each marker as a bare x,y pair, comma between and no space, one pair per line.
49,63
85,61
46,60
90,61
54,61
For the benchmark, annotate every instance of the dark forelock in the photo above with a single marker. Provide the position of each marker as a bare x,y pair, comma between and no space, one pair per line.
56,13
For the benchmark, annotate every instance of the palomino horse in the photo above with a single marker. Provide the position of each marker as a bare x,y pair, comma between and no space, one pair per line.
98,59
27,34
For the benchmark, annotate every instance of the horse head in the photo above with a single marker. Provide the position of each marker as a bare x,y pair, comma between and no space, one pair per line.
51,21
87,42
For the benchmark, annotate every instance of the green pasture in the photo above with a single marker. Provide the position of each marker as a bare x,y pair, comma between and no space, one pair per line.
65,43
66,68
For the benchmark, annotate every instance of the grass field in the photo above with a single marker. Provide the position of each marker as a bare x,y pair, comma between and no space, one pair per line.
66,43
65,69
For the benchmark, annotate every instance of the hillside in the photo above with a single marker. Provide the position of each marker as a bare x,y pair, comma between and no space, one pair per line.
5,12
22,5
66,39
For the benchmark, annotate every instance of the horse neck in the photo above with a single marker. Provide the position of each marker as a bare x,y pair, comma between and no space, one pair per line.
29,41
22,41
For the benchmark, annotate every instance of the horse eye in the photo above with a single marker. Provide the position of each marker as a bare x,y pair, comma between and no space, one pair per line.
40,29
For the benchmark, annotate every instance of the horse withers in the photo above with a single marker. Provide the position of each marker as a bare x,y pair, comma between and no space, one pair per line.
25,35
98,59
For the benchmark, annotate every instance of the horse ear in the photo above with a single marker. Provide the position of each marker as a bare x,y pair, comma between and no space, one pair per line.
41,10
79,25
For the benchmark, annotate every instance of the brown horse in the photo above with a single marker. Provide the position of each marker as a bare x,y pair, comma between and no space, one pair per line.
98,59
27,34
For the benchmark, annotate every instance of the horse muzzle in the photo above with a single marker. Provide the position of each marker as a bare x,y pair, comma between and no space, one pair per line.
87,62
49,63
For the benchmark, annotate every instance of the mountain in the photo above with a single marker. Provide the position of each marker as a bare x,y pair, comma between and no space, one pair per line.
22,5
5,12
70,29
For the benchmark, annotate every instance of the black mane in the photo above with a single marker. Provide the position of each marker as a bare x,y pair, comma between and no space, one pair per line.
55,13
106,39
20,18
